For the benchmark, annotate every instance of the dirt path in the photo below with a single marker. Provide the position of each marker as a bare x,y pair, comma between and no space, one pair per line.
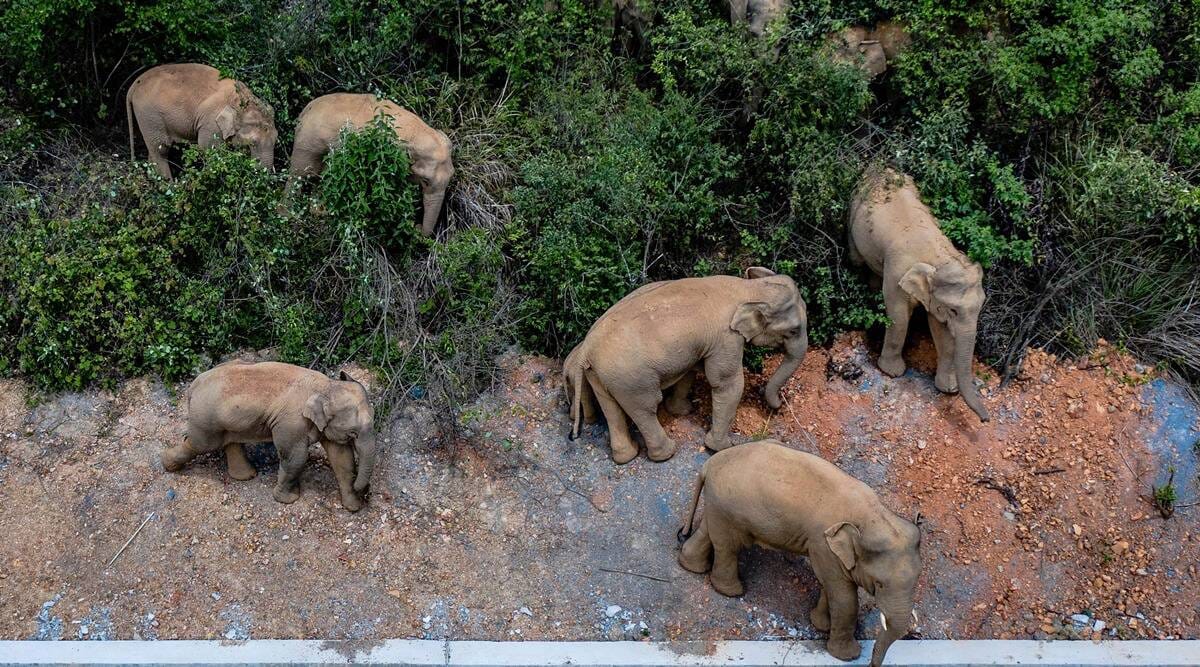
516,532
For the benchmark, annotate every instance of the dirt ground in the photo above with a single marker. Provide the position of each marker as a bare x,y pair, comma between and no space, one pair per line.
1036,525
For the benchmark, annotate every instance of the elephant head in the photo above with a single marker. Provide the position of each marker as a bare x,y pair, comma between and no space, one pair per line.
856,46
775,317
342,413
248,121
433,169
953,294
883,557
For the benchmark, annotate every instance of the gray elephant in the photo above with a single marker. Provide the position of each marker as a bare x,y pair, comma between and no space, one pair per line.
870,49
323,119
240,402
764,493
655,338
191,103
757,13
895,234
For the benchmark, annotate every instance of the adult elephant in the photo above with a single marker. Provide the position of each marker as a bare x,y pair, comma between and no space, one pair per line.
766,494
322,121
654,339
191,103
893,232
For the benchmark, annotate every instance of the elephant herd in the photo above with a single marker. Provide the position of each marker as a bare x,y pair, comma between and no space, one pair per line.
648,346
192,103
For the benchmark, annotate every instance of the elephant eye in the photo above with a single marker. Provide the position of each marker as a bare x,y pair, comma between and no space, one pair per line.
353,434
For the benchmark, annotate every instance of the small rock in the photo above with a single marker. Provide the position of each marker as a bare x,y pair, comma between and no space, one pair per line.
526,611
1081,619
285,538
1099,626
612,610
171,494
1010,516
216,595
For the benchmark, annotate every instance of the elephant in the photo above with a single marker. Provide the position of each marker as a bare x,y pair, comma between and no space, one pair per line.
656,337
759,13
870,49
767,494
191,103
242,402
321,123
895,234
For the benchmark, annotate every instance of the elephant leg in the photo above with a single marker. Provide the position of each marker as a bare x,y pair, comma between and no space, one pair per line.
677,402
158,149
623,448
843,616
945,380
820,613
293,454
726,545
727,383
899,310
587,402
696,554
237,464
642,407
174,458
341,459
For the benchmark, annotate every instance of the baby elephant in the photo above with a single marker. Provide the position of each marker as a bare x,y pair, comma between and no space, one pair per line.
766,494
239,402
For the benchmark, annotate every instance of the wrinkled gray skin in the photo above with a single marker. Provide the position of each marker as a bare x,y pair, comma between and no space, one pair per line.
323,119
191,103
895,234
656,337
240,402
762,493
757,13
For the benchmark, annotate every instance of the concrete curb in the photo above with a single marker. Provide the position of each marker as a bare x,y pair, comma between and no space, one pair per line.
593,654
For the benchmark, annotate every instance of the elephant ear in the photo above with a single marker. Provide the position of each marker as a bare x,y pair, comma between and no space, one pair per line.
316,410
749,319
918,282
344,376
758,272
226,119
843,539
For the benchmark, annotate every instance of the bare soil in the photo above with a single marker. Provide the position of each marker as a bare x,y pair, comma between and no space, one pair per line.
510,531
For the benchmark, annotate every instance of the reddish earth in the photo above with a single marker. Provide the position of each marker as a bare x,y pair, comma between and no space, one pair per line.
509,531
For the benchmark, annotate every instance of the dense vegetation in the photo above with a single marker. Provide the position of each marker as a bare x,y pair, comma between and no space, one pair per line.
1057,141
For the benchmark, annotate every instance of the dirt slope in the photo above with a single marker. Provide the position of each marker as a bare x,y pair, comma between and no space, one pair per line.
515,532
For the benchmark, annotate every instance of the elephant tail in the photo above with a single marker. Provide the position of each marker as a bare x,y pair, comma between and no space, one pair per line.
129,123
686,531
576,378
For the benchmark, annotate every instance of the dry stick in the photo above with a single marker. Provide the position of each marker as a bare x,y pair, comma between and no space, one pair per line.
635,574
130,540
1049,471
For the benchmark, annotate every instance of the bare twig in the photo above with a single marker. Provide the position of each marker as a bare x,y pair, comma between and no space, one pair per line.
130,540
1004,490
1049,471
635,574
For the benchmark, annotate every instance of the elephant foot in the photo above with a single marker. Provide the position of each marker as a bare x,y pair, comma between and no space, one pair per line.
286,496
843,649
892,366
242,472
680,406
174,458
621,456
662,453
715,442
731,589
819,621
692,563
947,384
352,502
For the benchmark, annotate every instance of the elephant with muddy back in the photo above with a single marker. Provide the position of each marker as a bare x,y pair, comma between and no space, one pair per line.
192,103
763,493
893,232
240,402
320,125
655,338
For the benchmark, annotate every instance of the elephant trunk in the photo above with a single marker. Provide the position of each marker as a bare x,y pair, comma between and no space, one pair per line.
265,154
364,447
796,347
964,354
433,208
894,617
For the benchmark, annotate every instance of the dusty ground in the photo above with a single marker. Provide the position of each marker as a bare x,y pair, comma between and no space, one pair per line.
1035,524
